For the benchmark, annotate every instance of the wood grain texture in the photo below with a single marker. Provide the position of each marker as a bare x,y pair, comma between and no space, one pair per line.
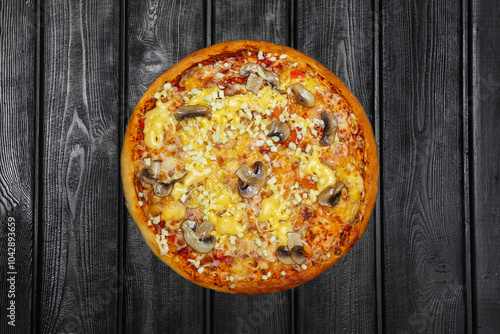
486,159
269,313
422,168
79,284
269,21
17,156
251,19
466,158
341,37
157,300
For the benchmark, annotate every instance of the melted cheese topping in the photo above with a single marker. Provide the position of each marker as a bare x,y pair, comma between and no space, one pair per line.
221,198
313,166
194,175
157,121
274,210
228,224
214,149
173,211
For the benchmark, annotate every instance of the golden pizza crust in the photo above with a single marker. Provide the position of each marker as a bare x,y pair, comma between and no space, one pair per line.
273,284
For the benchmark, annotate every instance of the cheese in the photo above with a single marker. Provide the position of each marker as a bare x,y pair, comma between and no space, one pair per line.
309,83
223,199
193,176
233,103
173,211
228,224
356,186
267,98
203,97
224,112
274,211
214,196
313,166
157,120
353,179
162,245
346,210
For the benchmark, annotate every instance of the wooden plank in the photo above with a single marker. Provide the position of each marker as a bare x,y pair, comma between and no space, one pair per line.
377,212
17,156
79,284
485,161
156,298
341,37
251,19
268,313
466,146
269,21
422,167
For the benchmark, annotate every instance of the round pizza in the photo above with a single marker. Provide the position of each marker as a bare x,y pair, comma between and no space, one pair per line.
249,167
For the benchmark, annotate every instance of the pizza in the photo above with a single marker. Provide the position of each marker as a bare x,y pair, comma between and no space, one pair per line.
249,167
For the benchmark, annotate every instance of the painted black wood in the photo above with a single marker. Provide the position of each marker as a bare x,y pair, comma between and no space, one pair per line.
422,178
156,299
252,19
78,283
466,144
341,37
17,167
485,106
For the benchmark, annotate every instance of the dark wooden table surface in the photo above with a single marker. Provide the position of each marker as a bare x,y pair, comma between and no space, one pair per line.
428,75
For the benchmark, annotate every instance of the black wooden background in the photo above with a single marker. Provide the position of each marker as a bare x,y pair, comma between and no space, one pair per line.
428,75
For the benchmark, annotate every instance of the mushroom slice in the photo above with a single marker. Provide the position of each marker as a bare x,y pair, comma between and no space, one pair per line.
254,83
297,254
198,236
304,96
192,111
272,78
248,68
245,173
278,129
283,254
293,240
330,130
162,189
203,230
144,175
155,169
296,248
330,196
252,179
